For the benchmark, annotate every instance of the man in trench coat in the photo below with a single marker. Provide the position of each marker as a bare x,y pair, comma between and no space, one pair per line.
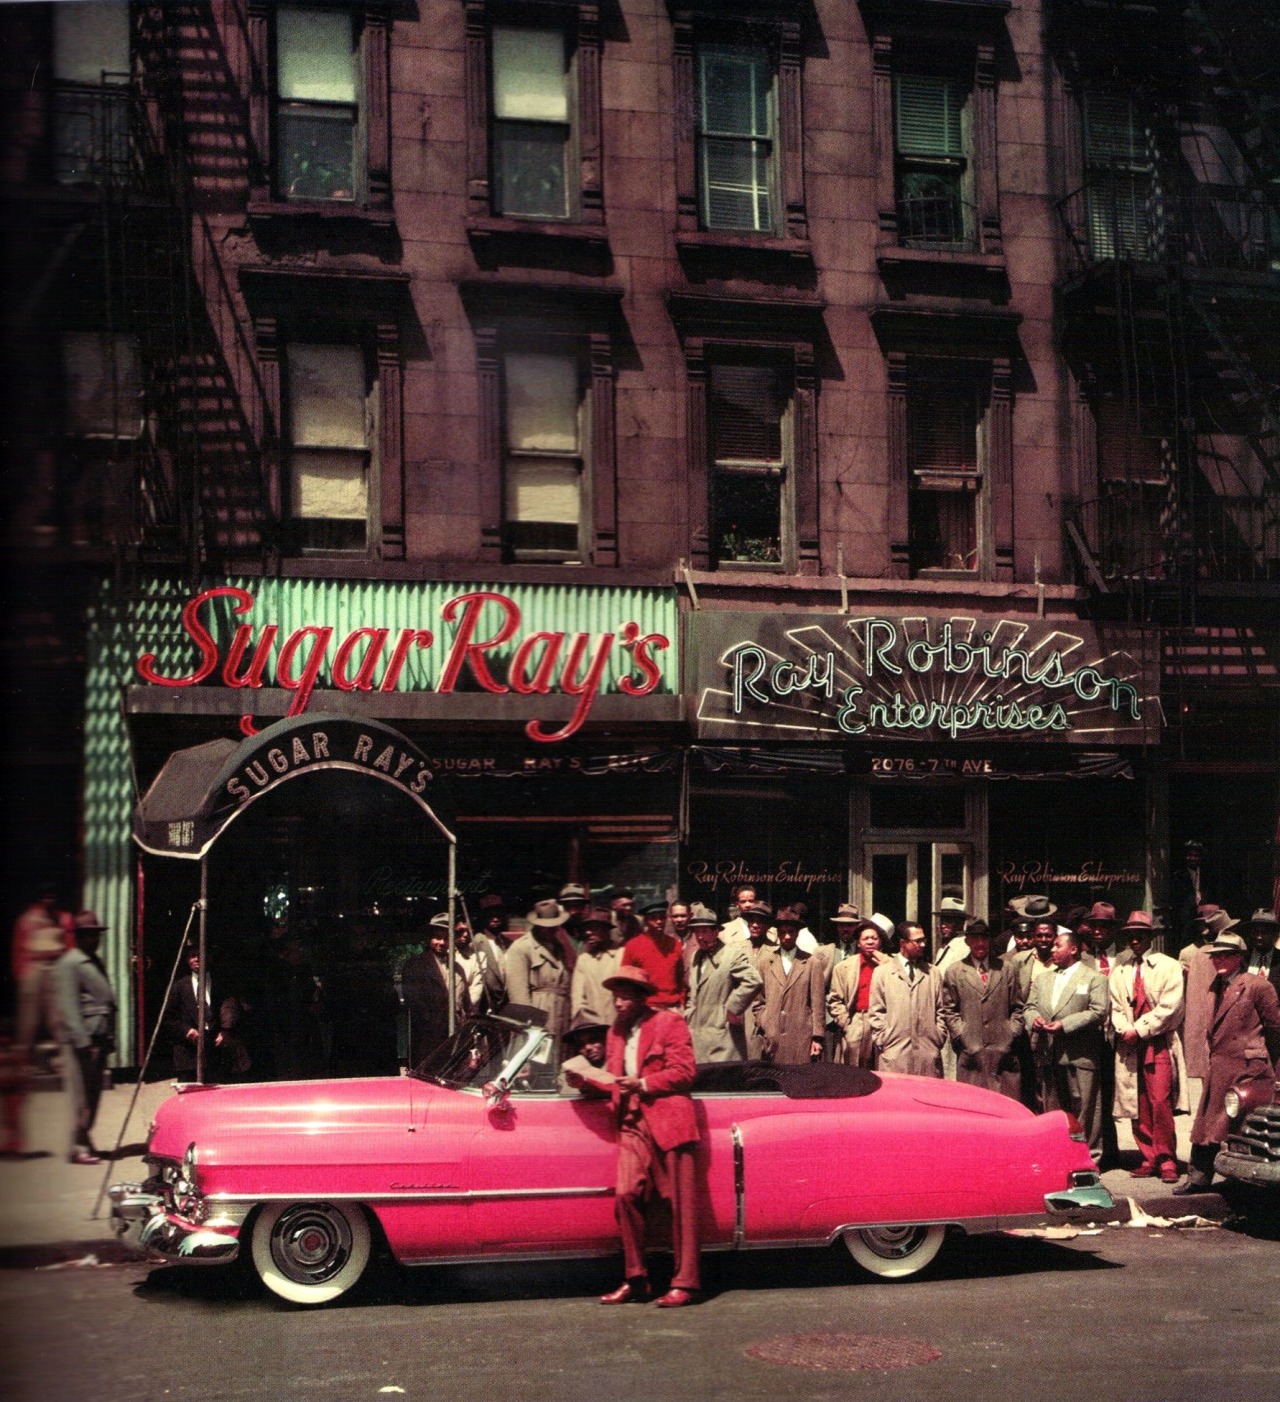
722,983
982,1011
905,1009
1244,1045
793,1016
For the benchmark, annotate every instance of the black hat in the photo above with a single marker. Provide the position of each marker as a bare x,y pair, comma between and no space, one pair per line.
87,920
654,908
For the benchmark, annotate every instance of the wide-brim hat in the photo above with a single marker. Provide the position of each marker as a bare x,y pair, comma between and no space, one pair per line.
633,976
949,905
977,928
87,920
573,891
757,909
1219,923
584,1021
1033,907
547,914
1227,944
847,915
789,915
1139,920
702,917
1263,916
597,915
1102,912
441,921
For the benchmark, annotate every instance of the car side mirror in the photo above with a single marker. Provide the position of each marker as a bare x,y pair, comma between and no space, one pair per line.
497,1095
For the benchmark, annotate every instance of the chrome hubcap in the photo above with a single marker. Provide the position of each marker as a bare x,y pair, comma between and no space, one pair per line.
311,1243
893,1243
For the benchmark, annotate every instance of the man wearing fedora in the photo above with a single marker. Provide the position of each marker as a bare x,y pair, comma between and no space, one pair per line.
1264,954
1066,1017
538,968
723,983
649,1052
1214,922
596,961
949,921
1147,1009
792,1017
982,1010
849,998
87,1029
905,1008
1244,1046
584,1049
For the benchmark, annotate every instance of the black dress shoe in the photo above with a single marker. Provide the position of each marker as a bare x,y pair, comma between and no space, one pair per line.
631,1292
1196,1183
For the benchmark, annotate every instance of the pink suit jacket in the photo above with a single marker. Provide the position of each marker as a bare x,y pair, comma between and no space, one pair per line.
666,1063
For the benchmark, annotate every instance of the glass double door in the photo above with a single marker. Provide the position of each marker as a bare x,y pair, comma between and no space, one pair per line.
907,880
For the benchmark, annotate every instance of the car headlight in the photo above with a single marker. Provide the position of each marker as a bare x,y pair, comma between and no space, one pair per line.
1232,1104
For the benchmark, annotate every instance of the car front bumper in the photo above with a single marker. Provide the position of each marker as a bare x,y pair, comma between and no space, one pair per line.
1245,1168
143,1219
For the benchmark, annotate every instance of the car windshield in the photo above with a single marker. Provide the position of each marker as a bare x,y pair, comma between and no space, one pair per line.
484,1050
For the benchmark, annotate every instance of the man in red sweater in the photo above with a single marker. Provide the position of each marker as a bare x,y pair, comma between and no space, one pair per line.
660,955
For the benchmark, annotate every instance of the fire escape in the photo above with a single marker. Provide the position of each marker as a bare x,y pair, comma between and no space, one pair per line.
112,239
1169,312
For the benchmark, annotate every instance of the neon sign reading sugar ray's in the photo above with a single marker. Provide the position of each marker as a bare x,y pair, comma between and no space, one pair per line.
920,676
486,637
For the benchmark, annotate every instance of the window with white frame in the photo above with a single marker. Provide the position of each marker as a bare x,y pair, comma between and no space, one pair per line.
749,427
91,74
945,431
331,413
103,380
1122,195
545,437
533,129
737,138
317,105
933,167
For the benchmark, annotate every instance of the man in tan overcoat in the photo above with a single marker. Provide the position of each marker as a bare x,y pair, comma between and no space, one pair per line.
1147,1007
793,1014
538,972
905,1009
722,983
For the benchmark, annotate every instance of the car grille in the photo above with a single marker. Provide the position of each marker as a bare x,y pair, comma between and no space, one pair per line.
1259,1136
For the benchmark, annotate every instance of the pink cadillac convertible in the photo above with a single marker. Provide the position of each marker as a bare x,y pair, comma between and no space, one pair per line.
480,1155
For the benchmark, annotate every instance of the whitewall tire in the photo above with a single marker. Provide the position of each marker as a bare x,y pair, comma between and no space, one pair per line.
310,1252
894,1252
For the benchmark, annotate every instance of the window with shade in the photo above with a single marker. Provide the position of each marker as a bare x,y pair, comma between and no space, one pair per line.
317,106
331,413
933,165
749,428
737,139
545,433
944,460
90,126
532,134
1121,190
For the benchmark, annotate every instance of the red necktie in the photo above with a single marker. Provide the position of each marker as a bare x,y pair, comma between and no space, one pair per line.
1139,991
982,973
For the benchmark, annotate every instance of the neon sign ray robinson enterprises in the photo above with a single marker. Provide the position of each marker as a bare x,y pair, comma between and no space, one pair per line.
482,646
921,676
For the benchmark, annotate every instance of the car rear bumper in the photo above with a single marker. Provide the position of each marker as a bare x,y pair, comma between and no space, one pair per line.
1084,1198
142,1218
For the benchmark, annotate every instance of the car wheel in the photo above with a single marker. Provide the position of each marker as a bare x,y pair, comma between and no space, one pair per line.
310,1252
894,1252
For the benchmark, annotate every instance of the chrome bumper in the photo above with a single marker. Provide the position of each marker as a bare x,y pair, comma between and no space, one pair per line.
141,1218
1244,1168
1086,1197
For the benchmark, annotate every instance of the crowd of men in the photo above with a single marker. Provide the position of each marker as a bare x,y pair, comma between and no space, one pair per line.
1070,1010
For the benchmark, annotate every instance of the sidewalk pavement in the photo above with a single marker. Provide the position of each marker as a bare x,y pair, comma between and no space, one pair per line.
46,1203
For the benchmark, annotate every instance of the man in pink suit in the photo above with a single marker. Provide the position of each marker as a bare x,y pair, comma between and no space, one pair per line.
650,1056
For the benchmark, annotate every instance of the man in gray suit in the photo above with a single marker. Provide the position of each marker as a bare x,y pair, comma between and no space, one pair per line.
87,1013
1067,1017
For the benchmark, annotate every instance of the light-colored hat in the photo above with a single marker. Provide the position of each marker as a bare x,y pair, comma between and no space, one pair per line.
573,891
547,914
846,915
441,921
1263,916
1219,923
949,905
632,975
1034,907
883,924
1228,944
702,917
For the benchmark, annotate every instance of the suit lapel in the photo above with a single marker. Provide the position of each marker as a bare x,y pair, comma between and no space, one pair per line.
1229,999
1068,989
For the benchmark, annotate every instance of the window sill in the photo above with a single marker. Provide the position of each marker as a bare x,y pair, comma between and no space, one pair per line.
902,254
945,272
266,213
742,243
482,231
